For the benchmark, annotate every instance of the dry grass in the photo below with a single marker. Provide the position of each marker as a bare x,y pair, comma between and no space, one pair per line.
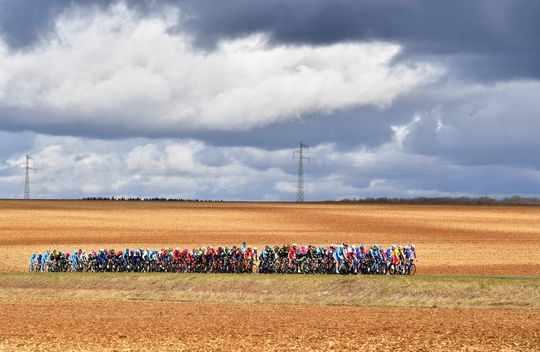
418,292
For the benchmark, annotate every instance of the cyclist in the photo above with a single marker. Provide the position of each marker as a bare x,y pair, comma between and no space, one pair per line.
292,255
401,255
395,255
263,257
339,255
388,253
32,262
74,259
45,260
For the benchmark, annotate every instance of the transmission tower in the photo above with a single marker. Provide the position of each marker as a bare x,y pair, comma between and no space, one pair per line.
27,177
300,183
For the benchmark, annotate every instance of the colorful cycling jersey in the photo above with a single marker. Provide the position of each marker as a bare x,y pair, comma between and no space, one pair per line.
292,253
339,254
359,252
264,254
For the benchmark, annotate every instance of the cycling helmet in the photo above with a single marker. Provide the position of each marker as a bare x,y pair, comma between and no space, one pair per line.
413,246
393,246
400,247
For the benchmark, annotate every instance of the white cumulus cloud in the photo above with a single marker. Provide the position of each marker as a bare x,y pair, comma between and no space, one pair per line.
112,69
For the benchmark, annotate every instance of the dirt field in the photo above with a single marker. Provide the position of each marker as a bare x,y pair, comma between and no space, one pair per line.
130,312
136,326
450,239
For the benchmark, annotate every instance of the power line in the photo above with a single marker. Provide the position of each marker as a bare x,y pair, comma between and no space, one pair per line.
27,177
300,182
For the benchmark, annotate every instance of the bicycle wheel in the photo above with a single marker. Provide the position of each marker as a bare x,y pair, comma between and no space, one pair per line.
392,270
412,269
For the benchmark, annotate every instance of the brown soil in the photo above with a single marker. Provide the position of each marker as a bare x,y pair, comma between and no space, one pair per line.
450,239
133,325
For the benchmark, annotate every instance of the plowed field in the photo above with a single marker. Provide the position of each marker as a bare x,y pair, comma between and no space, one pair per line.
123,312
171,326
450,239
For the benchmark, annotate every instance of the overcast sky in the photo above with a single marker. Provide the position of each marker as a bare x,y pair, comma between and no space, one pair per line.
208,99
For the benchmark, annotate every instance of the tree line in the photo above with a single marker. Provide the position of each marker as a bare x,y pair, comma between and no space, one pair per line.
513,200
154,199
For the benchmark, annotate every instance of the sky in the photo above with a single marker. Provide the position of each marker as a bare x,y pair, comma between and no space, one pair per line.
209,99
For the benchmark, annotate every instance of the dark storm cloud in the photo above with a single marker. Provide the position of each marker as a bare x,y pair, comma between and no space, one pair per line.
489,39
431,25
23,22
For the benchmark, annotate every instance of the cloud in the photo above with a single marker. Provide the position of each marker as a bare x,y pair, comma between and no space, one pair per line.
491,124
208,99
484,39
71,167
111,71
77,167
487,40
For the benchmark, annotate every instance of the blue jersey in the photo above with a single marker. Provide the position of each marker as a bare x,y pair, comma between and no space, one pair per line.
339,254
407,253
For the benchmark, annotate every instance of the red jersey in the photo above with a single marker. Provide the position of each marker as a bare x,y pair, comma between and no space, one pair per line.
292,253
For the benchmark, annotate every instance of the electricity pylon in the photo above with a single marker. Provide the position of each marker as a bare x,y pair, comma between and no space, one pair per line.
27,177
300,182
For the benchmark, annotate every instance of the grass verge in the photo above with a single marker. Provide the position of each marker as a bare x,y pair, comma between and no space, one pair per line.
369,291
